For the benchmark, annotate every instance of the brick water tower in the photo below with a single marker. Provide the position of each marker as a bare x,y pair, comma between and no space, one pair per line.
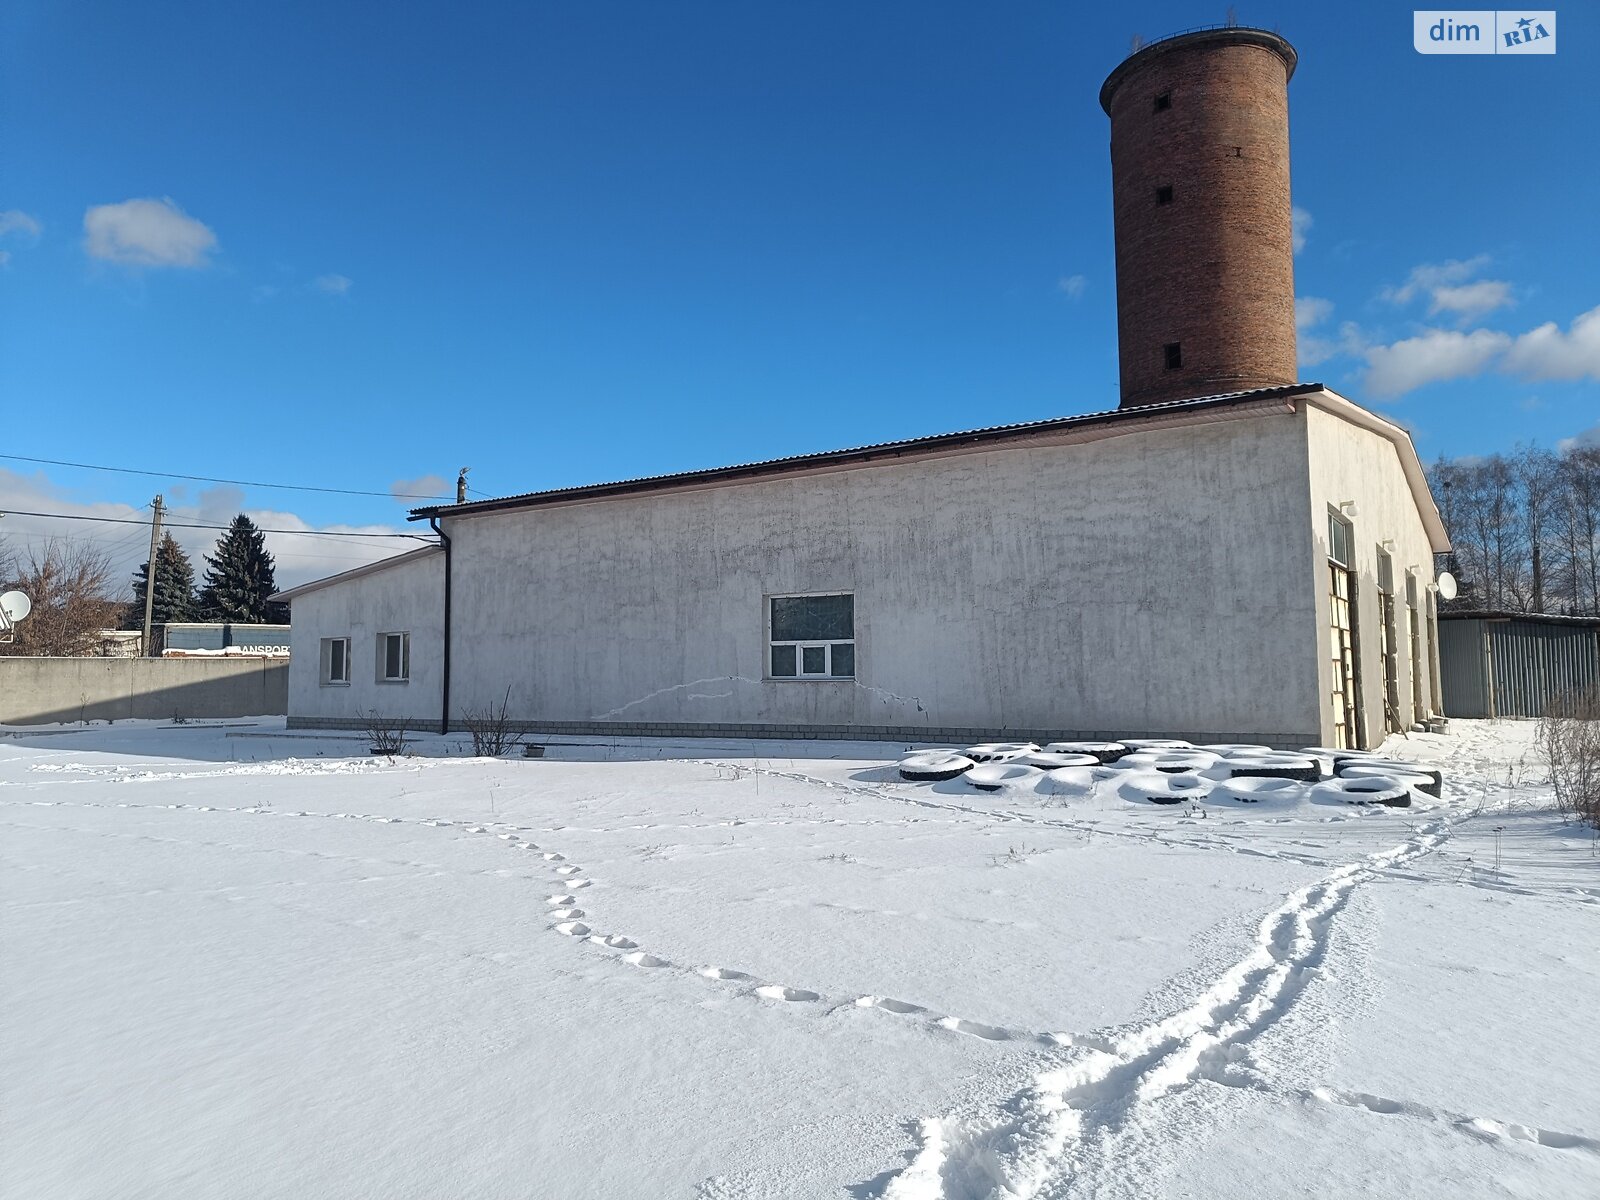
1200,187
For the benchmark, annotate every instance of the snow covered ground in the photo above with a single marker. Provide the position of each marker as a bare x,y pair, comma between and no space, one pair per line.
243,963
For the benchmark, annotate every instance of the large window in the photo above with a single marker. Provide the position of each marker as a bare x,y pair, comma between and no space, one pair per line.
812,637
394,657
336,660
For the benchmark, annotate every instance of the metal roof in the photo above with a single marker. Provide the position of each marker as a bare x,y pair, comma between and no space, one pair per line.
1500,614
862,454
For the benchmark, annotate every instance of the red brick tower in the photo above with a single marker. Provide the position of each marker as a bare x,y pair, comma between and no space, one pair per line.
1200,185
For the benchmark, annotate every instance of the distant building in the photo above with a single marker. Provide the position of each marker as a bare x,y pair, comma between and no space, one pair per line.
177,638
1230,555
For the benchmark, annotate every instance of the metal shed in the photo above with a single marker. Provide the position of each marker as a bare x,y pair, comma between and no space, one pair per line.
222,635
1499,664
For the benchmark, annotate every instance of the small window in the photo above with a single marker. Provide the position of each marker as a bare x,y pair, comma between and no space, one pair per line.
1341,540
1163,101
1164,194
1385,572
812,637
1411,589
1174,354
394,657
335,660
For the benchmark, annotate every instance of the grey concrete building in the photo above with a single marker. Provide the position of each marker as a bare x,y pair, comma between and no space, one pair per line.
1250,567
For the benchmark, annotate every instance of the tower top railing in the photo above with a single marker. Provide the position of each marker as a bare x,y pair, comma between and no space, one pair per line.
1248,34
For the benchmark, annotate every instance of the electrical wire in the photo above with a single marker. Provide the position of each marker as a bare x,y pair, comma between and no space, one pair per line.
336,533
287,487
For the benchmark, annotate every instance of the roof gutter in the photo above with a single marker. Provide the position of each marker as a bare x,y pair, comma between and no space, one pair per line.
444,685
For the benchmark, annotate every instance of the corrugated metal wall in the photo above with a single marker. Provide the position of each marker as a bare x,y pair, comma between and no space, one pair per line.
1463,668
217,635
1514,668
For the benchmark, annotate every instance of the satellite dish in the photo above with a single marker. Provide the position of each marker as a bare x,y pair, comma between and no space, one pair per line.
1447,585
14,607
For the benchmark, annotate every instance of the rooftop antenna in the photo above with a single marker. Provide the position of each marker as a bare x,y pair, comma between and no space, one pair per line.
1233,16
461,486
1135,43
14,608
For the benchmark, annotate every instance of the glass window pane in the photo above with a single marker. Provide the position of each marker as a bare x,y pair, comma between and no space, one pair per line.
1339,536
783,660
814,660
812,618
844,659
391,657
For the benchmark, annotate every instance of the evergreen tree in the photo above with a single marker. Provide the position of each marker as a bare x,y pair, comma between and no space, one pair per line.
174,587
239,578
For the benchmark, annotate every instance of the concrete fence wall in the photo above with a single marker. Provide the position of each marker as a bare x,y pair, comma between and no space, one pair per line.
43,691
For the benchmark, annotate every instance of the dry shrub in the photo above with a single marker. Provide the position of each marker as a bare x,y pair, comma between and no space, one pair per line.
386,735
1569,735
491,729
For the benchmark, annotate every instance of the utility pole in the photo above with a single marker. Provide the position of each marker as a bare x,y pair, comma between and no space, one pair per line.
150,574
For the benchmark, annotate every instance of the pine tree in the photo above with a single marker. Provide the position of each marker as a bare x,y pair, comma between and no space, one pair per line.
174,587
239,578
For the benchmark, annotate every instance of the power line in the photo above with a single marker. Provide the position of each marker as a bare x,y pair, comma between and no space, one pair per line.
285,487
335,533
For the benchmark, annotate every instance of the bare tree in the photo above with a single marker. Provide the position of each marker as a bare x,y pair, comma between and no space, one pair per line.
73,600
1538,474
1526,529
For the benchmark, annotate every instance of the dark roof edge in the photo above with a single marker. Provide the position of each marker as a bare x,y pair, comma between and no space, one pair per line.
1498,614
1234,35
858,454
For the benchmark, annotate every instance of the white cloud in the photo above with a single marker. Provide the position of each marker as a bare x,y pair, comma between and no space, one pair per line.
1431,357
1425,278
14,220
1299,224
301,555
1311,311
147,233
1547,353
1072,285
423,485
334,285
1471,300
1589,439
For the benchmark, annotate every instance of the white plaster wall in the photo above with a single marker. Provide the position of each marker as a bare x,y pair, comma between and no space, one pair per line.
405,598
1351,463
1146,582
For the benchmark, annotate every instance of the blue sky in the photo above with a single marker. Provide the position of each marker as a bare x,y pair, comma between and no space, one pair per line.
568,243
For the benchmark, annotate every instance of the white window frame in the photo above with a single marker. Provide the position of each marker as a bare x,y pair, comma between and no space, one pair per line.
801,675
405,657
325,663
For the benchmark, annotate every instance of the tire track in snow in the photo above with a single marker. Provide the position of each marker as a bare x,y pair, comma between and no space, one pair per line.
1051,1132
